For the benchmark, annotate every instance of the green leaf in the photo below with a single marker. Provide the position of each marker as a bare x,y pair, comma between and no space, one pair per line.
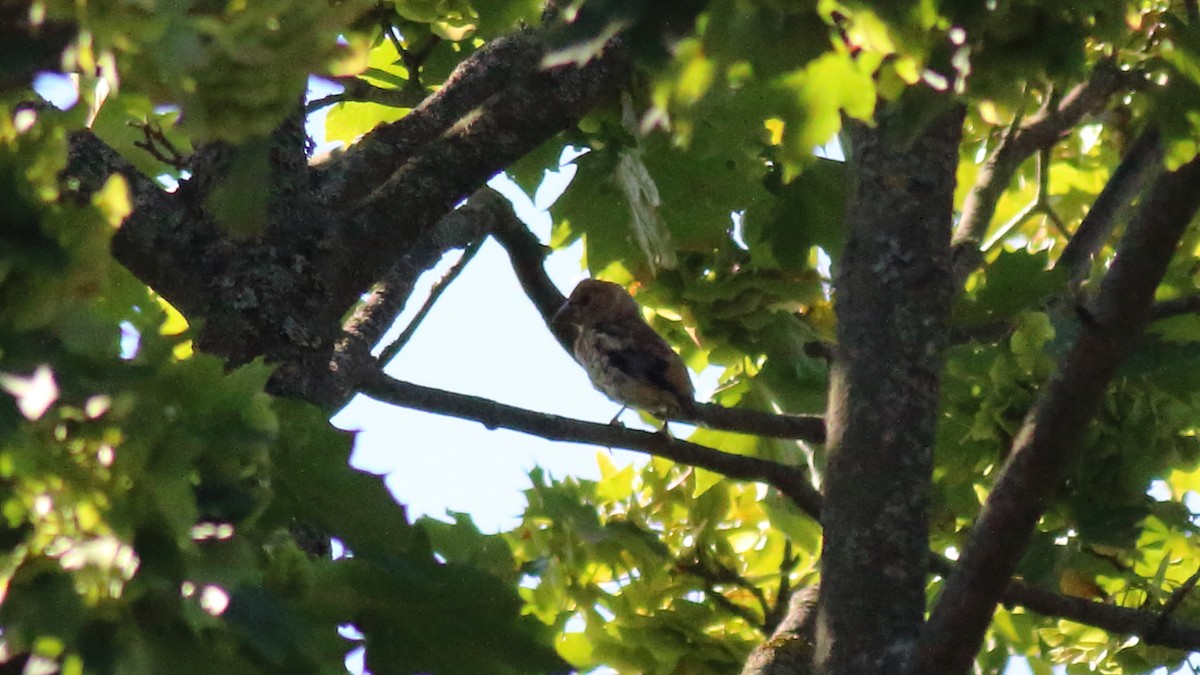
462,542
317,485
807,212
1015,281
349,120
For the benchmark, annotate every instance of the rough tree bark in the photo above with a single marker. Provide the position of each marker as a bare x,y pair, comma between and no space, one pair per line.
338,228
892,295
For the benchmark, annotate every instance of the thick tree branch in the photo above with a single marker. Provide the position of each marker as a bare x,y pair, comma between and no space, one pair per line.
1052,433
460,159
504,62
893,291
1039,131
787,479
1141,164
145,242
790,649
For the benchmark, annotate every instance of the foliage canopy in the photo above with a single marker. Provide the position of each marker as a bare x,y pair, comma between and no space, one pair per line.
163,513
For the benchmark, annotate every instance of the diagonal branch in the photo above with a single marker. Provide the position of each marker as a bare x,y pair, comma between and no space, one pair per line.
460,228
787,479
457,160
1035,133
1174,602
502,63
1142,163
1052,433
435,294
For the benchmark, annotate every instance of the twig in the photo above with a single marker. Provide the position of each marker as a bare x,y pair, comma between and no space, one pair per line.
413,61
788,480
700,569
1175,600
389,30
435,293
373,317
356,89
1040,130
159,146
775,614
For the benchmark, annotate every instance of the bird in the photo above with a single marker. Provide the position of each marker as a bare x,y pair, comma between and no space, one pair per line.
625,359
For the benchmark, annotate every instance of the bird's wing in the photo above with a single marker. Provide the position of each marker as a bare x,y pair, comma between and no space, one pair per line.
637,351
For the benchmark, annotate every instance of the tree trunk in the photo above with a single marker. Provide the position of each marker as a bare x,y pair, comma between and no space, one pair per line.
892,298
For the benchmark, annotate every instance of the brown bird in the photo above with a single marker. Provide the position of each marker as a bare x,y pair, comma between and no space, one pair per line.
624,357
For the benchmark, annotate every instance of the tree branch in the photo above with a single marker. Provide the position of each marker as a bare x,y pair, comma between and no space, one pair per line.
1175,601
790,649
1165,309
459,159
1141,164
158,227
702,569
528,256
331,386
1034,133
468,224
809,428
1052,433
787,479
503,62
435,293
356,89
1153,628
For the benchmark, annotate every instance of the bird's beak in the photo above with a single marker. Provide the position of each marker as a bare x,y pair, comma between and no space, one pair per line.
564,315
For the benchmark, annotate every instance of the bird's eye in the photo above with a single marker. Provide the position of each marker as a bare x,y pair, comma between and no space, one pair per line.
583,300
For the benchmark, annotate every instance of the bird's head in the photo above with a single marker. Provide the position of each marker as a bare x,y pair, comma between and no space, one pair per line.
593,301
